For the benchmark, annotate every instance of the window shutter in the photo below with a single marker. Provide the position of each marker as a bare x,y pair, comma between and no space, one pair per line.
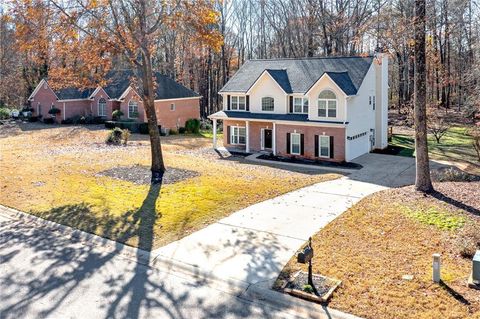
316,145
228,104
291,104
228,134
302,144
331,147
288,143
247,103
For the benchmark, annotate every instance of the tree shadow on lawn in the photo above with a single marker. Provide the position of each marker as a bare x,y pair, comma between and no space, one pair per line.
72,262
55,268
444,198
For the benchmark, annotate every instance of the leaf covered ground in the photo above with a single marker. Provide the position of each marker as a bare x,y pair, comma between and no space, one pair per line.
394,233
52,172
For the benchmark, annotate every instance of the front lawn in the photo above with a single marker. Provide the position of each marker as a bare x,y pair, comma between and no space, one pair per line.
455,145
393,234
58,173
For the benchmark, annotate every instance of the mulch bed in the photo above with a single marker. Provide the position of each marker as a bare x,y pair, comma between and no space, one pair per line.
390,150
324,286
141,175
295,160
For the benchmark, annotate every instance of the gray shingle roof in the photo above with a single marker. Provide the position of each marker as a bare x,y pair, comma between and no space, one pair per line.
302,73
268,116
281,77
118,82
73,93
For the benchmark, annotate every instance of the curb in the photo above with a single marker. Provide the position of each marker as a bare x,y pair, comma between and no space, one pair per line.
258,292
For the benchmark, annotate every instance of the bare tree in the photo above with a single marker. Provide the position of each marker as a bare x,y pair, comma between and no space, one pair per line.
437,126
423,181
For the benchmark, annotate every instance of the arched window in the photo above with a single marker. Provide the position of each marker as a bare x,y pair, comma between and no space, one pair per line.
132,109
102,107
268,104
327,104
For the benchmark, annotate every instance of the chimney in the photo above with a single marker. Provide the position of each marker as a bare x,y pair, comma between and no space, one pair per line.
381,99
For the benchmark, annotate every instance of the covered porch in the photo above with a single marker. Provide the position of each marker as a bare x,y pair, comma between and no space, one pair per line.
245,135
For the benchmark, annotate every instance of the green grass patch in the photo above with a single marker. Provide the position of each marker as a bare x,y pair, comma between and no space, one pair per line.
209,134
456,144
433,216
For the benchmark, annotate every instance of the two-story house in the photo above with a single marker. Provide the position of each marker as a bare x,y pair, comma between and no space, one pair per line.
332,109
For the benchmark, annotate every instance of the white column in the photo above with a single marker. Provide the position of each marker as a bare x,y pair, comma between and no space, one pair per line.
247,137
64,111
274,140
214,133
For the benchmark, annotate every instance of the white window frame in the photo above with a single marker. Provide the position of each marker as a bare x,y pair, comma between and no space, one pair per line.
133,103
299,143
235,100
273,103
104,110
236,129
172,106
327,105
302,106
320,137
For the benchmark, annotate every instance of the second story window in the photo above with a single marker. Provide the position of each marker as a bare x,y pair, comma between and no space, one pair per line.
327,104
300,105
132,109
238,103
268,104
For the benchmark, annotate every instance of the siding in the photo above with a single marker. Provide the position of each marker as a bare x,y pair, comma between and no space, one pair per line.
185,109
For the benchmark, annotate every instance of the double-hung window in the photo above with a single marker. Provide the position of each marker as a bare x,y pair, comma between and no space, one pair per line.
323,146
132,109
238,103
295,143
327,104
102,107
268,104
300,105
237,135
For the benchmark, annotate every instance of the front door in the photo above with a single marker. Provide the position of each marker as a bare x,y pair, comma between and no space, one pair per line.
267,138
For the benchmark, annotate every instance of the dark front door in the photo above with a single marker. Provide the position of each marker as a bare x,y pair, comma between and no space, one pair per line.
267,138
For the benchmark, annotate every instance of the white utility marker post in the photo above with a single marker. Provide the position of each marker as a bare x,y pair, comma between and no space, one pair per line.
214,133
436,268
247,139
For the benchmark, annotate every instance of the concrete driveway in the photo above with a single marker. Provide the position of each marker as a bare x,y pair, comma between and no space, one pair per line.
253,244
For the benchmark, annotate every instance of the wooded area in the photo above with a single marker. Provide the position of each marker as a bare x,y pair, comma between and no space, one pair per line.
35,44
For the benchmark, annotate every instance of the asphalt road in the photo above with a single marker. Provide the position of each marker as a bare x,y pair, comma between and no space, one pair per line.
45,274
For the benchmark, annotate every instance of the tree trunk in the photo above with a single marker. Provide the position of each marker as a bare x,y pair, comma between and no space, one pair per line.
423,182
148,98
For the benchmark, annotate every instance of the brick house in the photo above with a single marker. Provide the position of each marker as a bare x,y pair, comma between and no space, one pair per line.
174,103
332,109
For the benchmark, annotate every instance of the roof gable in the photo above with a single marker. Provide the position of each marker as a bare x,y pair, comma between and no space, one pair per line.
301,74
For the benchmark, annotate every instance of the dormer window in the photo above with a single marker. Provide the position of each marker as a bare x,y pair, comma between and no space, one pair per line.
268,104
327,104
300,105
238,103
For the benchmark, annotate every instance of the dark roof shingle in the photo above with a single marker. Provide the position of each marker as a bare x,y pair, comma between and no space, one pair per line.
119,81
302,73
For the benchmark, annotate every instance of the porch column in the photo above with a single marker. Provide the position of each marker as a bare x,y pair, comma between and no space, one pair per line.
214,133
274,140
247,137
64,115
